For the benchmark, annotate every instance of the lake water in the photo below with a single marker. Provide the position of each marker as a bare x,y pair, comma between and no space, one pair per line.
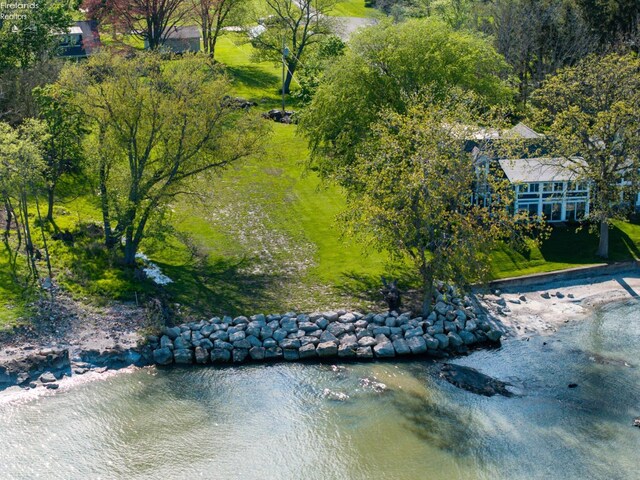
292,421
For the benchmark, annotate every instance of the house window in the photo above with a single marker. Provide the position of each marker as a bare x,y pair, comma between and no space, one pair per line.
530,208
552,211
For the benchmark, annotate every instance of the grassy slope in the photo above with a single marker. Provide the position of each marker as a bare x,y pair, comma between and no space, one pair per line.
353,8
263,237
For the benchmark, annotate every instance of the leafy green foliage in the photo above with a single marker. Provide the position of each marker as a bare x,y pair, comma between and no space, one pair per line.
293,26
155,125
26,34
316,63
384,68
416,195
63,145
592,114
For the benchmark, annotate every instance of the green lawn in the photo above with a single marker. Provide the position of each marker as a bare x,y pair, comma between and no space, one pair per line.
354,8
566,248
262,236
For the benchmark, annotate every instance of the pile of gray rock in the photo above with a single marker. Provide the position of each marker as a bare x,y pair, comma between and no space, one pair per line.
453,327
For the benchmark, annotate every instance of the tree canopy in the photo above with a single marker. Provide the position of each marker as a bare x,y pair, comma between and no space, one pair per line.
154,126
383,68
592,115
416,195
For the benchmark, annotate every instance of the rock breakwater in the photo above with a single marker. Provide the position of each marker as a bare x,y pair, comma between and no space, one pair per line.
453,327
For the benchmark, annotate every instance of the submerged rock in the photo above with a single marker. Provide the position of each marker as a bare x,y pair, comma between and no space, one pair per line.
47,377
473,381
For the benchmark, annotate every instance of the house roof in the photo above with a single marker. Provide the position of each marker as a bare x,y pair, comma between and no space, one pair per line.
523,131
523,170
183,33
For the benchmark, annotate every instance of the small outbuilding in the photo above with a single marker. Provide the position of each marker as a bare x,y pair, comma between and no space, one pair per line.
181,39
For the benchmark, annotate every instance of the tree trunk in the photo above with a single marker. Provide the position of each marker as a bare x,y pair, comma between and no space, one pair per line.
50,201
603,247
428,285
291,68
109,240
130,248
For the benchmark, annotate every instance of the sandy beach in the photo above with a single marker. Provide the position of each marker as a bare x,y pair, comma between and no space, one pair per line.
543,308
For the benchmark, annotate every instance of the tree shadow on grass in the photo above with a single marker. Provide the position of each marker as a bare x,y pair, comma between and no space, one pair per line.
254,77
366,287
219,287
569,244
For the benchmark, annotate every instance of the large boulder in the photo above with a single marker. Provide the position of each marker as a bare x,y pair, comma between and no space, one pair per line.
202,355
347,318
290,354
183,356
347,351
336,329
235,336
367,342
401,347
163,356
308,327
307,351
166,342
327,349
467,337
280,334
443,340
494,335
417,345
48,377
172,333
328,337
364,352
384,350
257,353
220,355
432,343
290,344
239,355
455,340
350,341
273,352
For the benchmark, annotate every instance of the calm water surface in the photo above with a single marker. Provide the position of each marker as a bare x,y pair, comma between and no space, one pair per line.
290,421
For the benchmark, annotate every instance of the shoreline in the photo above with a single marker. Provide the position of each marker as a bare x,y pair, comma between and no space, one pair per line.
537,309
517,311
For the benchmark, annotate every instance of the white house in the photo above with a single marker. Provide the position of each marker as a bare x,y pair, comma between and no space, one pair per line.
542,185
545,188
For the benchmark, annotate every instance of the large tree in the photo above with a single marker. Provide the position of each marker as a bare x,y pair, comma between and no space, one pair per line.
26,33
155,127
591,113
62,148
21,168
150,20
537,37
415,195
213,16
294,26
383,68
27,53
612,20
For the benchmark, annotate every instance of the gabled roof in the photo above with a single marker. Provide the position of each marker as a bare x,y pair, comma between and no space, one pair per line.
183,33
522,131
528,170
